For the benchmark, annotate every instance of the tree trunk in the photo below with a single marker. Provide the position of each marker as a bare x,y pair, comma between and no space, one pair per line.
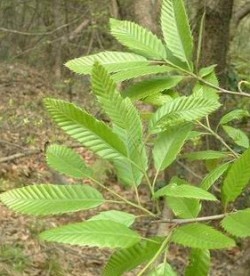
216,37
146,13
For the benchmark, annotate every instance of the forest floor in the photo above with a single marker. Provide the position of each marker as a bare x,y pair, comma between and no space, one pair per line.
25,128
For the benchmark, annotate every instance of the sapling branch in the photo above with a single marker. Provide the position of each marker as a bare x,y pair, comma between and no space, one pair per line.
218,137
122,198
191,220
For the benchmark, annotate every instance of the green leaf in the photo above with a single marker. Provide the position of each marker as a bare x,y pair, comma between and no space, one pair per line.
127,259
205,155
199,263
47,199
180,110
238,223
101,233
206,71
236,114
137,39
214,175
112,61
117,216
67,161
197,235
186,191
83,127
151,87
184,207
204,90
157,99
140,71
163,269
168,145
238,136
126,124
176,30
237,178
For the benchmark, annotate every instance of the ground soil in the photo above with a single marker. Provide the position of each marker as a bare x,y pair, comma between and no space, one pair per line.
25,128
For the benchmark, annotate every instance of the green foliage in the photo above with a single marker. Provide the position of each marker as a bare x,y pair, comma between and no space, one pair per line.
238,223
65,160
214,175
176,30
137,39
140,71
201,236
182,109
203,90
150,87
101,233
127,259
205,155
199,263
238,136
47,199
126,124
236,114
86,129
163,269
237,178
168,144
117,216
131,138
186,191
184,207
112,61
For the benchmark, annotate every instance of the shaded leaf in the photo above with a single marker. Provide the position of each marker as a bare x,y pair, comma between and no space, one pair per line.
168,145
67,161
204,90
126,259
199,263
140,71
237,178
150,87
184,207
186,191
214,175
118,216
238,136
236,114
163,269
205,155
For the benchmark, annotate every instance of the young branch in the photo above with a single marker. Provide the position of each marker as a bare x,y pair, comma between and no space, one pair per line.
184,221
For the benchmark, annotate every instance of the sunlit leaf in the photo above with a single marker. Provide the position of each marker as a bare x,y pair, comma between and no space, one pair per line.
47,199
201,236
237,223
101,233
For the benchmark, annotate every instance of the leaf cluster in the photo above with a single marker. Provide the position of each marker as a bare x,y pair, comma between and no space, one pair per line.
130,139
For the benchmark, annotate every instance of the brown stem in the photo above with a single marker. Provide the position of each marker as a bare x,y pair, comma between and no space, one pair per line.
184,221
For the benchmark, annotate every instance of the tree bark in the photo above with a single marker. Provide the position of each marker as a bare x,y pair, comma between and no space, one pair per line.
146,13
216,37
